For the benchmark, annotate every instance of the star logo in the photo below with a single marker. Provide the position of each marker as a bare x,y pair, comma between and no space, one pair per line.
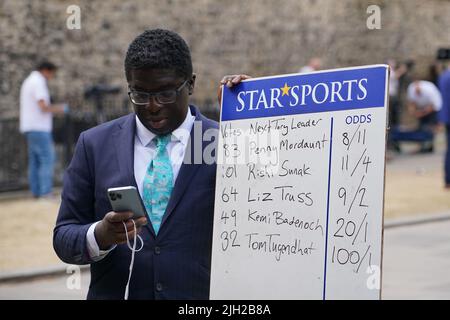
285,89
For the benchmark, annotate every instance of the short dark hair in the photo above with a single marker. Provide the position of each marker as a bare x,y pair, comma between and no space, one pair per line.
159,49
46,65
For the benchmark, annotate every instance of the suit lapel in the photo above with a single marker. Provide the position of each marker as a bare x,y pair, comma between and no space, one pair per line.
188,168
123,140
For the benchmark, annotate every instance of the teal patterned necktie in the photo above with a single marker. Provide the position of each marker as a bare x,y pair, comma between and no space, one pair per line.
158,182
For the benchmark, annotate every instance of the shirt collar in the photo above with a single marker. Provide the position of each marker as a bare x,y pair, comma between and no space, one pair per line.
181,134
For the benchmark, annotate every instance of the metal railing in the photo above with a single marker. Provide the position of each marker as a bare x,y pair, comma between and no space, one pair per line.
66,130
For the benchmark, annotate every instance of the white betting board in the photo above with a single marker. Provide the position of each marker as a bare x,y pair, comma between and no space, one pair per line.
300,186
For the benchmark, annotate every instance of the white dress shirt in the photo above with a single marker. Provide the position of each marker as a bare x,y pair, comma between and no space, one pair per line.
429,95
144,152
32,118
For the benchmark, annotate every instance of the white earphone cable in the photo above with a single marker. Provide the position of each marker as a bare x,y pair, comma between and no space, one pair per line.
133,251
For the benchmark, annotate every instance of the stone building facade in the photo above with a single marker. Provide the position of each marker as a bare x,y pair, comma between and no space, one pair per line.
257,37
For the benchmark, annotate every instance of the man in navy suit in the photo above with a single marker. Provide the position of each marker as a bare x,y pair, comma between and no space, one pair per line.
175,260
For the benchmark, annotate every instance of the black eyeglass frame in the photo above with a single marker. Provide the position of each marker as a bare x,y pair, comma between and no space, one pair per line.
157,95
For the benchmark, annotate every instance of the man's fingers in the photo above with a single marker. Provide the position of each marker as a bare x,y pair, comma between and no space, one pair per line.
227,81
122,238
231,80
119,227
224,80
118,216
239,78
142,221
227,78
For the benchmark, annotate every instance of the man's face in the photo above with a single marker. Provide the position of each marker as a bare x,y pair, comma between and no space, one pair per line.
417,88
161,118
48,74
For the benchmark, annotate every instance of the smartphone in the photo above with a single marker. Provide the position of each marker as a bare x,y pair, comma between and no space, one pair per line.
127,199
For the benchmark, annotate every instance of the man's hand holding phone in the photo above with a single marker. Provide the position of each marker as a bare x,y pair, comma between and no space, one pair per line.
111,231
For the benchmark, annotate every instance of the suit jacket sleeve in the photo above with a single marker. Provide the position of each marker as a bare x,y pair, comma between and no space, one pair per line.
76,213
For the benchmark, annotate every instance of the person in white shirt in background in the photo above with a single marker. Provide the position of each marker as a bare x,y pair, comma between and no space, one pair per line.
314,64
424,103
36,122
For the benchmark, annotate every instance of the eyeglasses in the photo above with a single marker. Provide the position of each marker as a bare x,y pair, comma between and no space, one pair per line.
142,98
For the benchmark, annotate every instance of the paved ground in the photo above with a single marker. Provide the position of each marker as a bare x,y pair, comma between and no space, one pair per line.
416,266
417,262
51,288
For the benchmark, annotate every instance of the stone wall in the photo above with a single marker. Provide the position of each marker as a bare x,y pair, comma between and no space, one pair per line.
258,37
